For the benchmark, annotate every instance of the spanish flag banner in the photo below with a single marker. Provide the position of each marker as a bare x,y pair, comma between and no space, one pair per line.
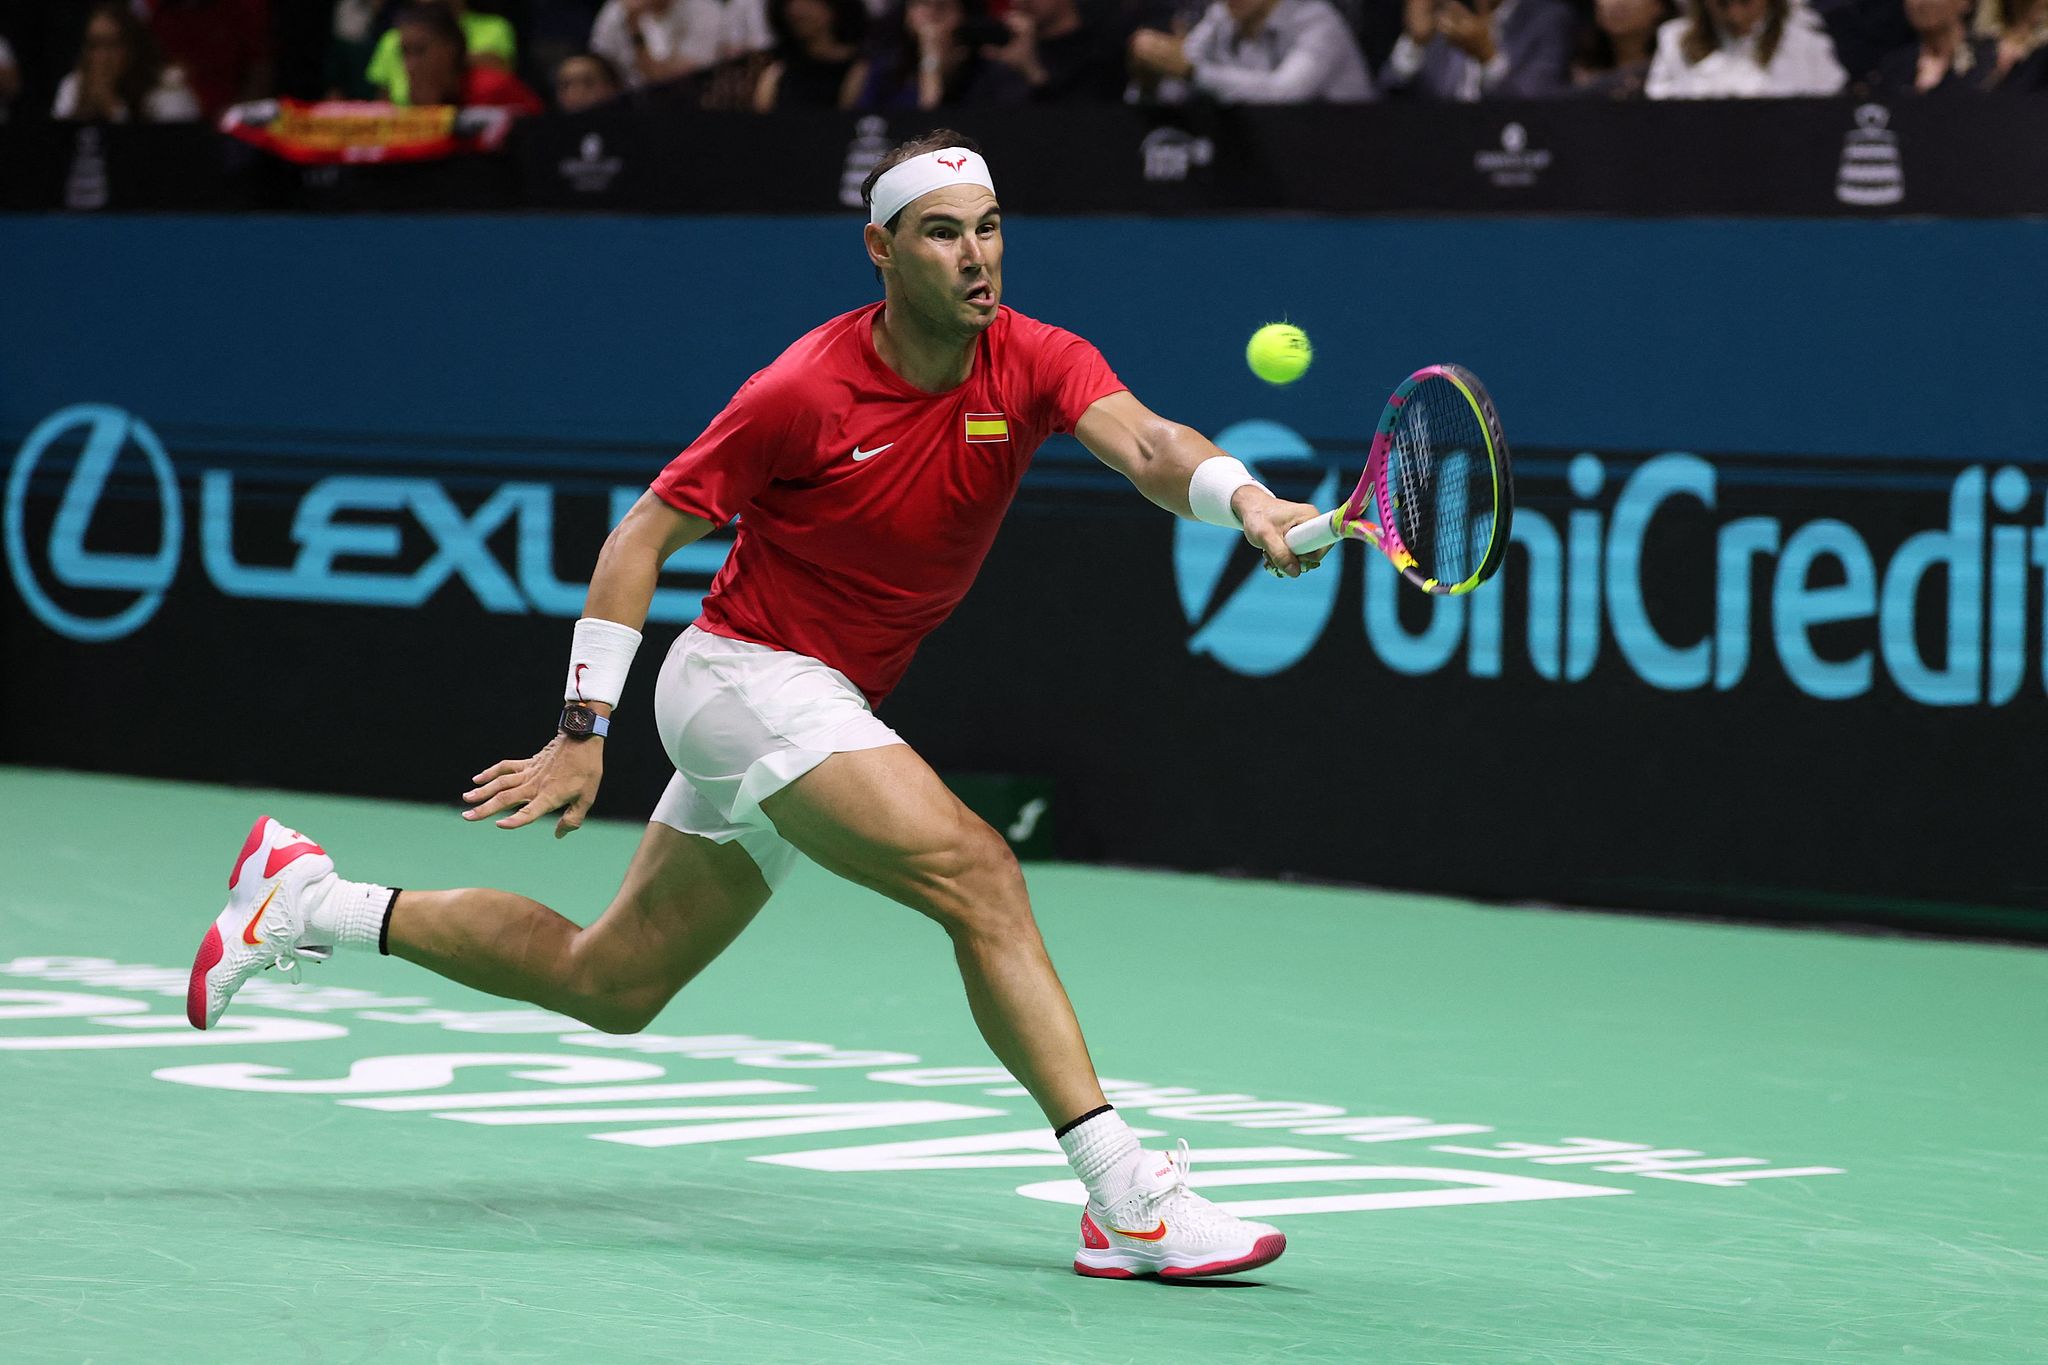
987,426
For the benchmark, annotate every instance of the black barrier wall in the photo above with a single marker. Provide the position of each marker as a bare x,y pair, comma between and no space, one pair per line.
310,504
1838,158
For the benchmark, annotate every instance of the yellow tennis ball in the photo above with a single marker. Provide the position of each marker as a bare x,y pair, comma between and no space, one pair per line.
1278,353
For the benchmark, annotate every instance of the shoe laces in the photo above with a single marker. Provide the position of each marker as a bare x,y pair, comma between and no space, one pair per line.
1191,1212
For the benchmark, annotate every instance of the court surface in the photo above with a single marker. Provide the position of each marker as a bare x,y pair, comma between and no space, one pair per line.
1491,1135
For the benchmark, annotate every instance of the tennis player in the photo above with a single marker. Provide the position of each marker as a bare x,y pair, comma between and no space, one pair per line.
871,464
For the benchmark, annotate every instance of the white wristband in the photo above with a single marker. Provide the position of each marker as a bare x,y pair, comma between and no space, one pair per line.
599,661
1216,480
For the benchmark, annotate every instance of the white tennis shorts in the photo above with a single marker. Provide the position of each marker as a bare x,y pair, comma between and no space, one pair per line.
742,721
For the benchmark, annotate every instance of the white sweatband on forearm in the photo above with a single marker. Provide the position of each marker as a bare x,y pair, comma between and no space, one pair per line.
599,661
1216,480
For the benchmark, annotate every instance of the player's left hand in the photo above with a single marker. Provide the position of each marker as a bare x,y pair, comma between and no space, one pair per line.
1267,520
563,776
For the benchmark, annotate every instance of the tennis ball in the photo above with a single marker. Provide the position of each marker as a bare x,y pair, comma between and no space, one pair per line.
1278,353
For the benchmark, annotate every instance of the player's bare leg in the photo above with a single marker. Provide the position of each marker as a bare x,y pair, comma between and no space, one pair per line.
882,818
683,901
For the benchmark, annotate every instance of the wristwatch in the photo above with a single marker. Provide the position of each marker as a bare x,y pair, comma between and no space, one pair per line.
580,722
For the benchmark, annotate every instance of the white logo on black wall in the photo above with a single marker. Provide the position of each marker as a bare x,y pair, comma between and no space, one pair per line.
590,171
1170,153
1516,165
870,144
1871,175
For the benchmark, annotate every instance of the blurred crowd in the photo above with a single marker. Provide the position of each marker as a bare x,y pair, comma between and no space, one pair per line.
170,60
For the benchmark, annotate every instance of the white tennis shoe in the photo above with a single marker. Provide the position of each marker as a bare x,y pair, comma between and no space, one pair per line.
277,877
1164,1228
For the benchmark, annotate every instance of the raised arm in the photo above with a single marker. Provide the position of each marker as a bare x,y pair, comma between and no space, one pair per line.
1166,462
566,772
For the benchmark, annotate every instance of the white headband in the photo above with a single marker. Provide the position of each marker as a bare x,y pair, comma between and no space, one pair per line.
919,176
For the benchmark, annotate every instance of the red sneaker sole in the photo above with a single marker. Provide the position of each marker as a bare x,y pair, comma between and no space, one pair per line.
1264,1252
210,952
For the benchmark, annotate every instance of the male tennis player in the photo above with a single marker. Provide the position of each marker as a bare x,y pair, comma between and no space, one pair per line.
872,462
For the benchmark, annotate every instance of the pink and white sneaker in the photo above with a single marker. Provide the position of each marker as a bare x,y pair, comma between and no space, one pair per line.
277,877
1164,1228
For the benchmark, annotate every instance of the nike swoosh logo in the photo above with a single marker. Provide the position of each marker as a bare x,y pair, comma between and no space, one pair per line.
579,680
860,454
285,853
249,929
1151,1236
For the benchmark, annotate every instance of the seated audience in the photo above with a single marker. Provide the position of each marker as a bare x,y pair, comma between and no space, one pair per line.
1864,32
10,80
936,59
817,47
651,41
585,80
1743,49
222,46
1255,52
351,44
1503,49
121,77
488,39
438,69
1946,58
2019,27
1062,55
1614,55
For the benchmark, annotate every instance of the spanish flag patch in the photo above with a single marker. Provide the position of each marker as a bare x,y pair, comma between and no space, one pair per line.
987,426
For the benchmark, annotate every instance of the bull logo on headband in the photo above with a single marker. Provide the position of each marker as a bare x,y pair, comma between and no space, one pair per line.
955,164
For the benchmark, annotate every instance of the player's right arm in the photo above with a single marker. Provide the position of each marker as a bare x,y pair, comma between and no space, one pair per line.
566,773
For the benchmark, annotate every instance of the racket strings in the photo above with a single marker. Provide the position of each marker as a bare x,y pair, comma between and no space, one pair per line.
1444,501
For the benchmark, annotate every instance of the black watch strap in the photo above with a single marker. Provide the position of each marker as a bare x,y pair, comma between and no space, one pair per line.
580,722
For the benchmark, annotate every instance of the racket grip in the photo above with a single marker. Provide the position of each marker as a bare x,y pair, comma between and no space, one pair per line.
1315,533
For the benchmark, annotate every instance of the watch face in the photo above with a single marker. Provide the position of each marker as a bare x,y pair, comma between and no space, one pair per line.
577,720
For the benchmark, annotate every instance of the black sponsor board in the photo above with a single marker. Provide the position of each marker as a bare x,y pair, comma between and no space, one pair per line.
1984,156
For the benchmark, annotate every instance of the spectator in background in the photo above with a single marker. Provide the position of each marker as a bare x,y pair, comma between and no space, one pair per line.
1061,56
1503,49
651,41
585,80
2020,28
1614,56
1256,52
10,80
438,69
487,37
222,46
817,48
1743,49
121,76
1864,32
936,59
1946,58
351,43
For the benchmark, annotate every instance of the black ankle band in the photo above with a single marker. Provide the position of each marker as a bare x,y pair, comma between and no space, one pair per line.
1070,1127
384,929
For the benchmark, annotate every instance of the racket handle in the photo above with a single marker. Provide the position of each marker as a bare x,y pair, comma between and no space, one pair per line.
1315,533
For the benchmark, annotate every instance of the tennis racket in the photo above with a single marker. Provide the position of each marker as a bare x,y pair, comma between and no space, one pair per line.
1438,494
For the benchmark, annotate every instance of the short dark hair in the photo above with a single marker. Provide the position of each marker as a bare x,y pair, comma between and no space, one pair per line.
436,18
937,140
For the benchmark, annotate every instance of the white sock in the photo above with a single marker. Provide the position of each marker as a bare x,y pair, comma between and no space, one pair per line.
1105,1155
350,915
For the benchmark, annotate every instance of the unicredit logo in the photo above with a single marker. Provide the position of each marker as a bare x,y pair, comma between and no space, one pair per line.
106,432
1941,618
1253,623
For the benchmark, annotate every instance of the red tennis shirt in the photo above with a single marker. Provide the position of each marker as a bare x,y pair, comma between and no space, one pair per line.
867,505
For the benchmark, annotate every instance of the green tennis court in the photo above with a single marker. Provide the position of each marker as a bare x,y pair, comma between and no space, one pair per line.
1490,1134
